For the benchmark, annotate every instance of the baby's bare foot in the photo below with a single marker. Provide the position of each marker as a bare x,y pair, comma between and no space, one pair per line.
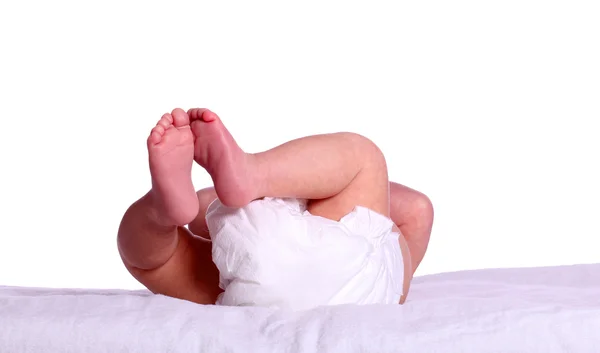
171,154
216,150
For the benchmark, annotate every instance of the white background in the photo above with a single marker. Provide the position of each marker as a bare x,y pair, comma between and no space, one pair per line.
489,107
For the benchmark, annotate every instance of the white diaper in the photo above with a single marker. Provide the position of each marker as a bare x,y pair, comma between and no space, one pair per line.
274,253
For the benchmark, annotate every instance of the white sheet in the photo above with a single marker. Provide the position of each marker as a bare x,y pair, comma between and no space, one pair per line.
547,310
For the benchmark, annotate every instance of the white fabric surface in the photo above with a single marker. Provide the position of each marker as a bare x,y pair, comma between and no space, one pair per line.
274,253
517,310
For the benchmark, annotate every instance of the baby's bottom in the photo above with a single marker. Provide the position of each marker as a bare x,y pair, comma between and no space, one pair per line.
273,252
411,213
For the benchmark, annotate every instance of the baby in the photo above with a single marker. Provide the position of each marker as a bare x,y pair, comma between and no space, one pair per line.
334,173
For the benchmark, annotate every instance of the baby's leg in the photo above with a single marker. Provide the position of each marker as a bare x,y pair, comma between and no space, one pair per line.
153,244
198,226
412,212
336,172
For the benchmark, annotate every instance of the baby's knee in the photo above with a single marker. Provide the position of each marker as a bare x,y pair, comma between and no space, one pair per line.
422,209
368,150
